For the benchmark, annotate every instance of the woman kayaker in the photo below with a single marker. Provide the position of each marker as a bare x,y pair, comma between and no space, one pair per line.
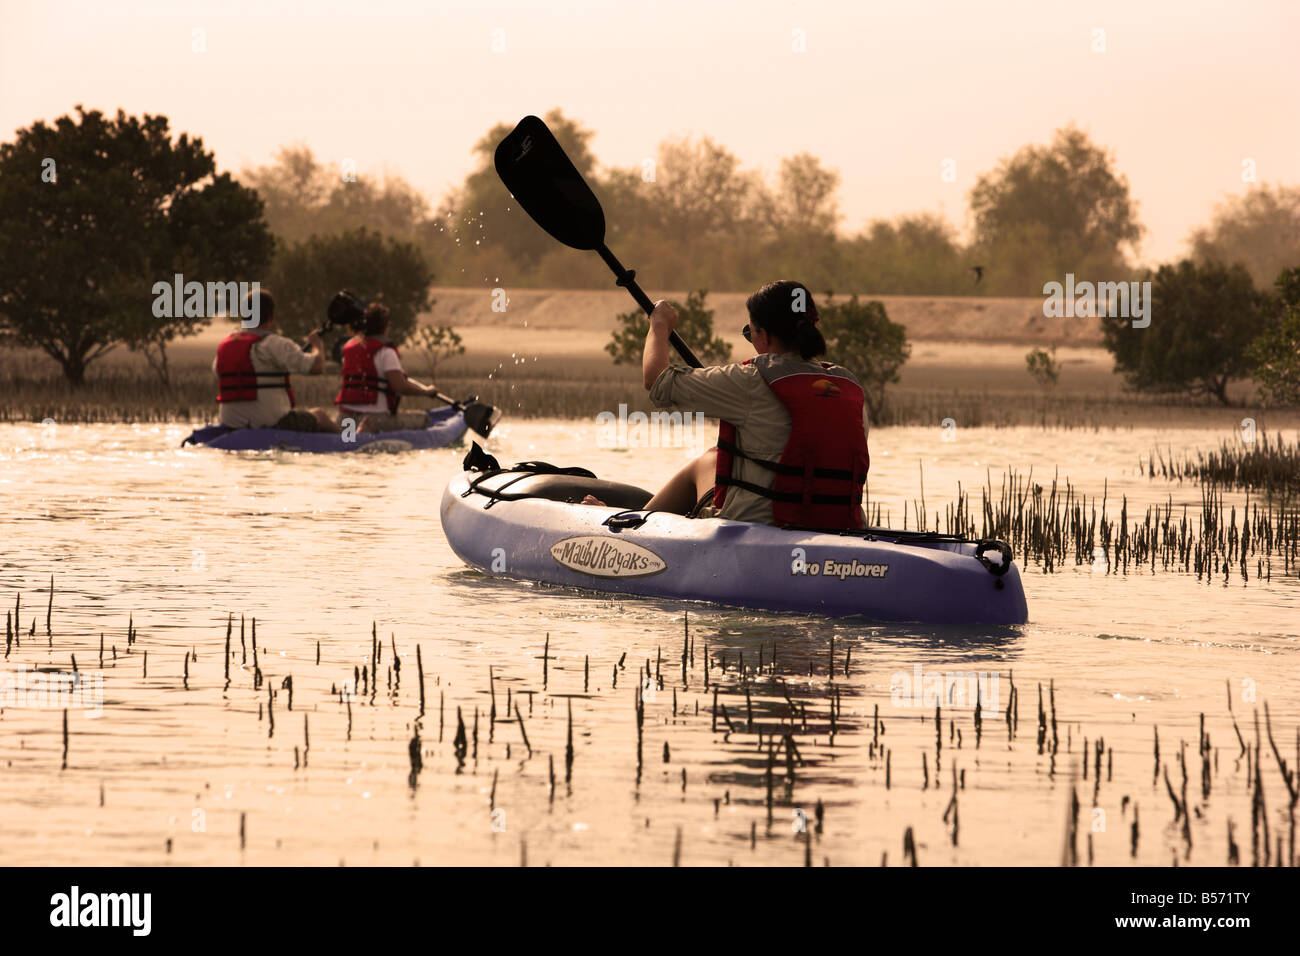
373,380
792,443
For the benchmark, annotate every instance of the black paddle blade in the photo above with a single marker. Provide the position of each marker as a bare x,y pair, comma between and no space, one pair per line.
479,460
545,182
481,417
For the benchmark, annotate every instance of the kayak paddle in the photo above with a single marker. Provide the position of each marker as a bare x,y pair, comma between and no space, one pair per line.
479,416
543,180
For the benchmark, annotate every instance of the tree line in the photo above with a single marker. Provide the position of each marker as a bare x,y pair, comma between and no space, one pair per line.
693,217
95,208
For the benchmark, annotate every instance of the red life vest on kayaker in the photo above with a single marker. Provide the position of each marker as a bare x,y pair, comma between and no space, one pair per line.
824,464
237,380
361,381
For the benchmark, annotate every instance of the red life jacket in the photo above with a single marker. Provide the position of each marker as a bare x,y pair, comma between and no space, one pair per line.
238,380
824,464
361,381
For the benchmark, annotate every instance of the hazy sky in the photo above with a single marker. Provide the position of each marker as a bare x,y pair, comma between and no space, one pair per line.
1184,92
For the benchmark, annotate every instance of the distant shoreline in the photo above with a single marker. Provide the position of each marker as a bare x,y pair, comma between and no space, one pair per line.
544,357
990,320
580,388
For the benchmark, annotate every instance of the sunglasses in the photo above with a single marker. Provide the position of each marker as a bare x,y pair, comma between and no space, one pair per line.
747,333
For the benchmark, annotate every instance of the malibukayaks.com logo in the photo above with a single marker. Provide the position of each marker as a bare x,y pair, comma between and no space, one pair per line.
198,300
1086,300
75,909
605,558
830,568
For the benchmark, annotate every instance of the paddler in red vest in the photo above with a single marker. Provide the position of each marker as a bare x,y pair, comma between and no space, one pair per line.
373,380
253,368
792,443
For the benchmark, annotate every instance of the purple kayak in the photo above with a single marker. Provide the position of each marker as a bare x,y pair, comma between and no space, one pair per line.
446,425
525,523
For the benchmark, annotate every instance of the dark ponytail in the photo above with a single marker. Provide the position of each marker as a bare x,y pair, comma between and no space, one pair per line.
785,310
374,322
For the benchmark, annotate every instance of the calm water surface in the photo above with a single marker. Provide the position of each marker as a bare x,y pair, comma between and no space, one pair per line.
318,549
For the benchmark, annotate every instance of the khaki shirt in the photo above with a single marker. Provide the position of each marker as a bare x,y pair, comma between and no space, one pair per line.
737,394
274,353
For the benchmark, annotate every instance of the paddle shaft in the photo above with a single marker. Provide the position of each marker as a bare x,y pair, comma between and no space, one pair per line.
459,406
627,279
533,166
322,332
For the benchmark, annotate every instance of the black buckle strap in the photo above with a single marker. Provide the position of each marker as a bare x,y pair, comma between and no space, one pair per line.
495,494
787,496
525,469
226,377
794,471
367,382
283,375
546,468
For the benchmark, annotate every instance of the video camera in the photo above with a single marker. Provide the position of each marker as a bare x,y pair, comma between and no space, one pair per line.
344,310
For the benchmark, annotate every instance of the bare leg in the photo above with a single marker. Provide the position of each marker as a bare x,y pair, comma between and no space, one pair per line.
367,424
395,421
324,420
351,419
683,489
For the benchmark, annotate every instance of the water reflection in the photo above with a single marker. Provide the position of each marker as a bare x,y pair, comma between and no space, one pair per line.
320,550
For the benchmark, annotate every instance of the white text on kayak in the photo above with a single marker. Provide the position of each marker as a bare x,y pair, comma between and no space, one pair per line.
830,568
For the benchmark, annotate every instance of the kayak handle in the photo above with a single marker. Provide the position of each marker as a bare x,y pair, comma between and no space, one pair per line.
999,567
626,520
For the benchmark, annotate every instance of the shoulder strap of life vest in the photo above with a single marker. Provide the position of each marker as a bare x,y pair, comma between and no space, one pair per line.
820,476
726,457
